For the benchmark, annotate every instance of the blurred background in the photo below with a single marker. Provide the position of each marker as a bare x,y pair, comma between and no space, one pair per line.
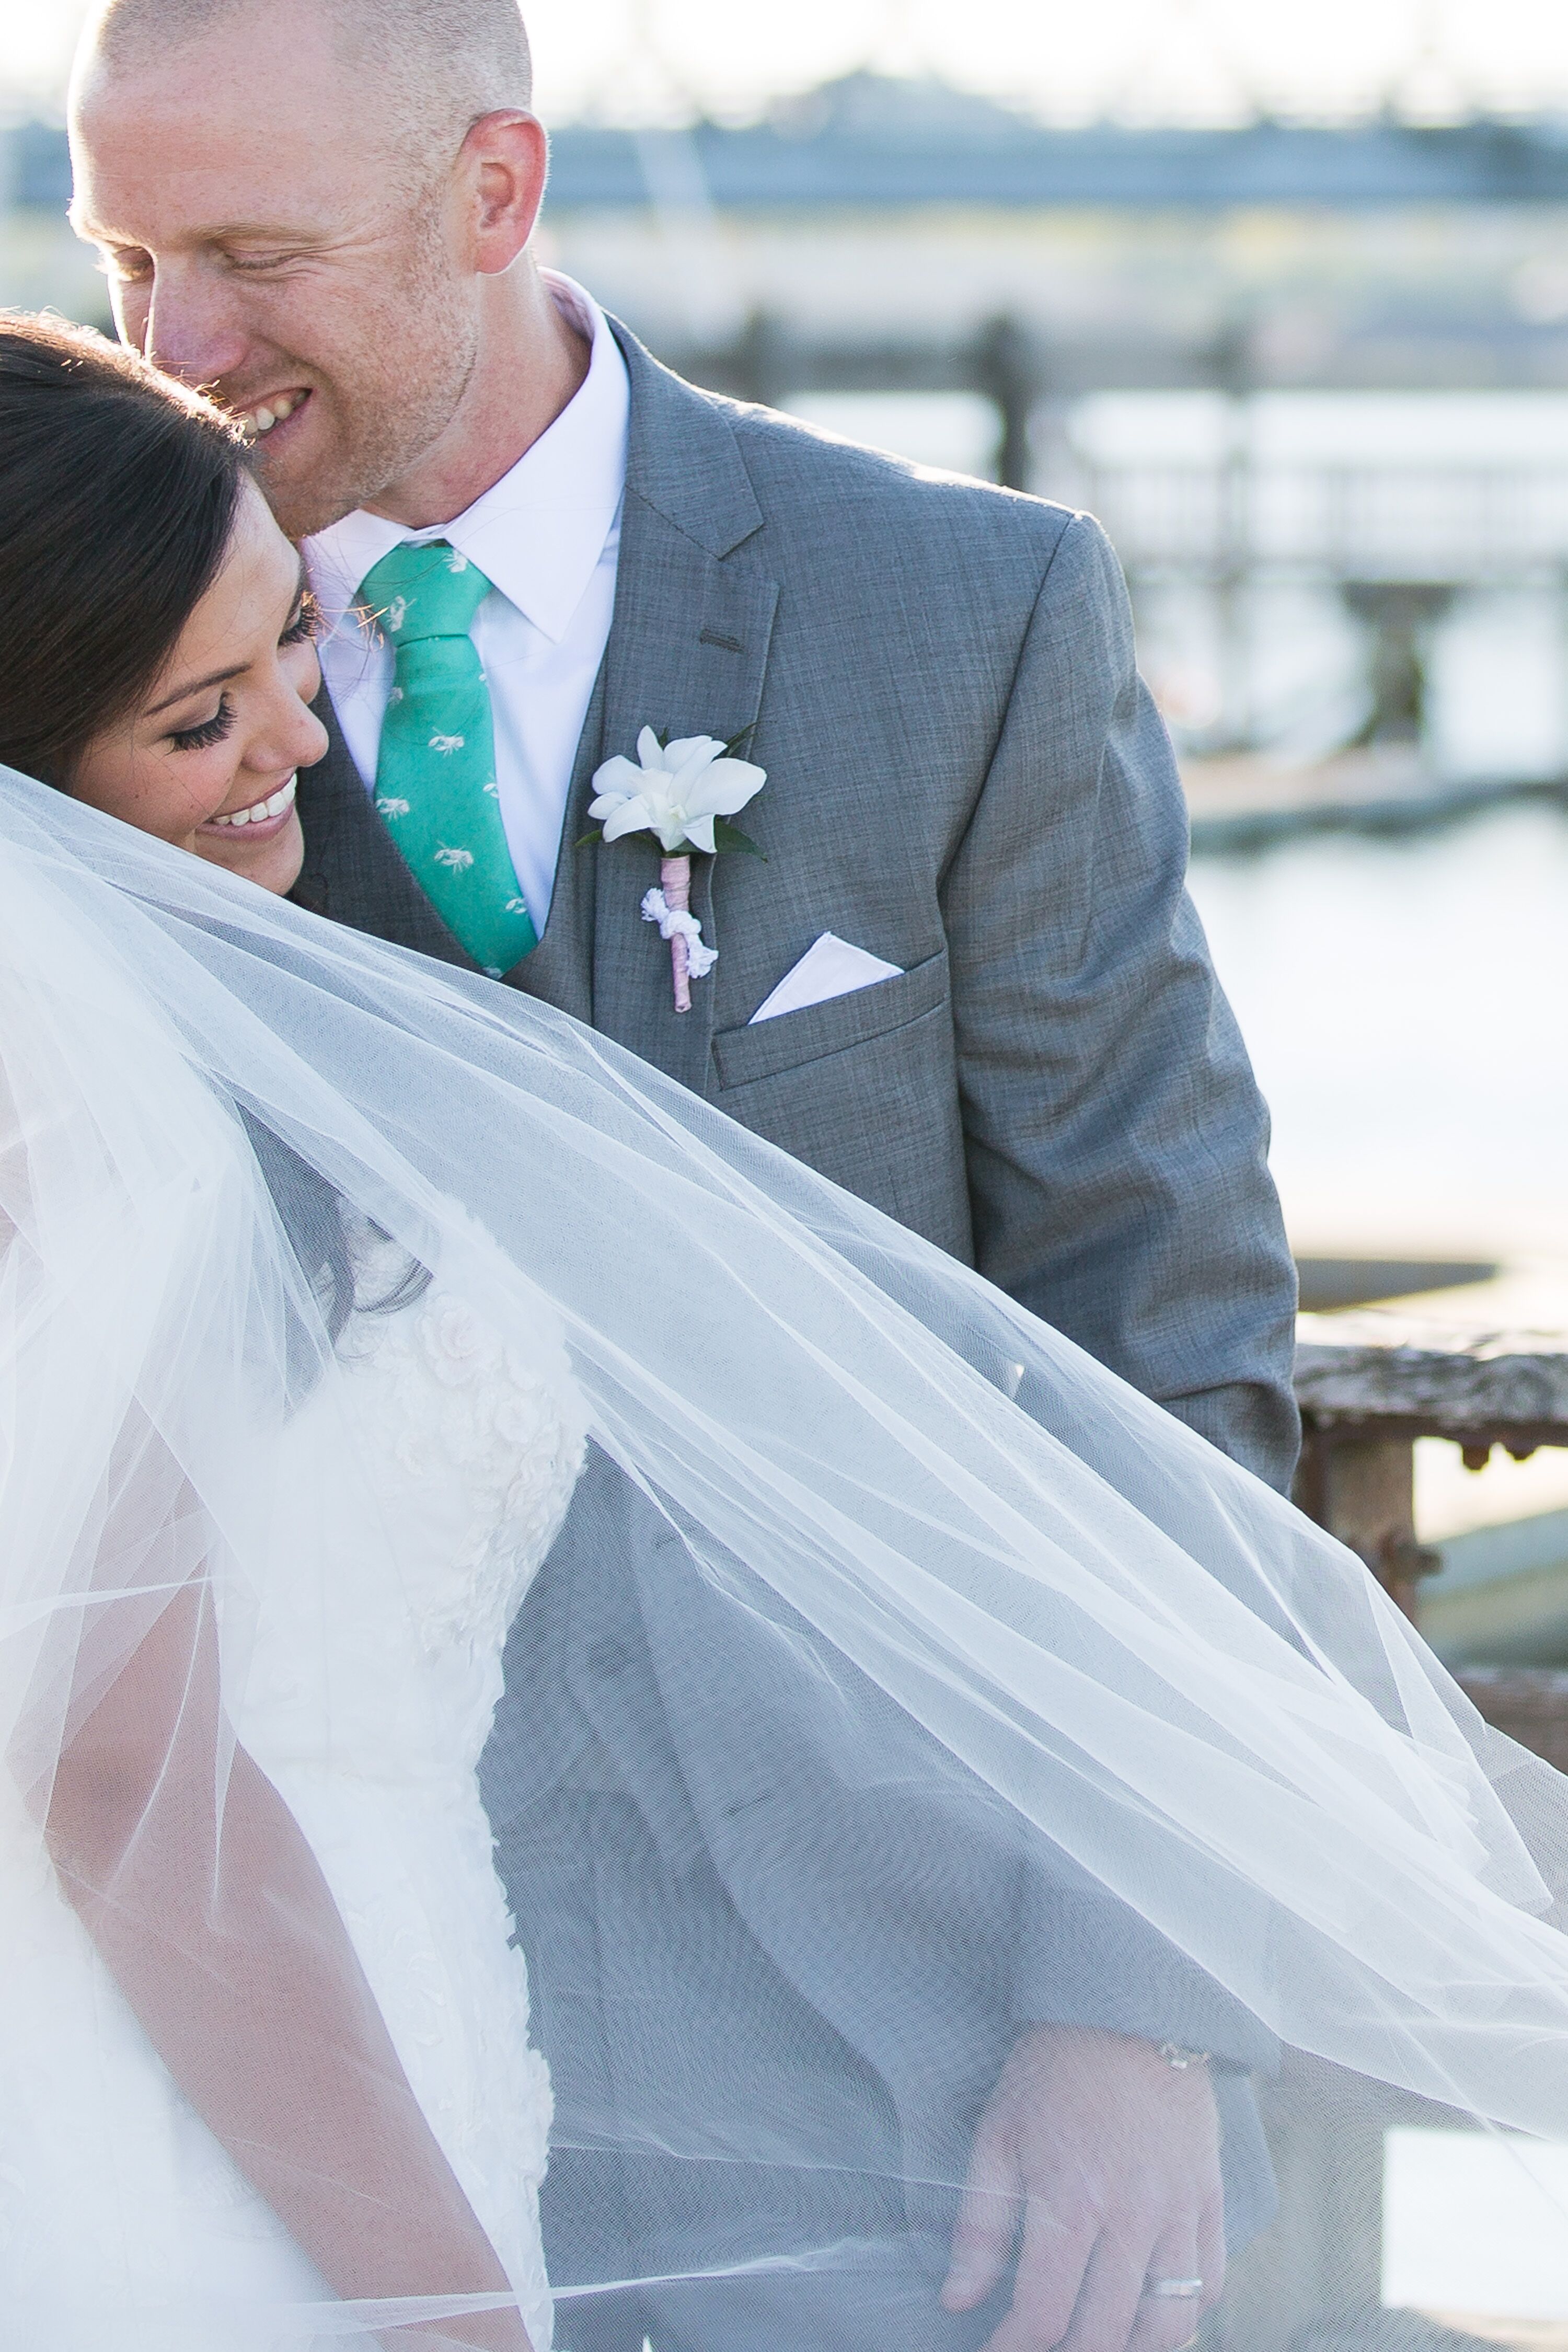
1281,294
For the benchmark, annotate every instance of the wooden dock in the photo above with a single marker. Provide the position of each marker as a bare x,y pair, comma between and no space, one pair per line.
1363,1409
1249,801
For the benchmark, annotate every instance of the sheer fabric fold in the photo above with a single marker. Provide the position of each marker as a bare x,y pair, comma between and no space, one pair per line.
984,1589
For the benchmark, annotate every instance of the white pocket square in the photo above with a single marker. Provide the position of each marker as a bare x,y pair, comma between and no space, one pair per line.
832,967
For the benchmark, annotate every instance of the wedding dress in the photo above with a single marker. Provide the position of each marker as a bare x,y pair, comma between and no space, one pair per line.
367,1706
945,1616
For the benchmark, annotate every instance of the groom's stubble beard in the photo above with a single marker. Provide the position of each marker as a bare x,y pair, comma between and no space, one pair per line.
386,401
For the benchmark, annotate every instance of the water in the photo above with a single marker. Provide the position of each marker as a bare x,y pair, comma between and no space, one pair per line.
1404,1002
1405,1005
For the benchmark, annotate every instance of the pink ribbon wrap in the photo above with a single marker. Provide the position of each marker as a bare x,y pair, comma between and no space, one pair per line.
675,881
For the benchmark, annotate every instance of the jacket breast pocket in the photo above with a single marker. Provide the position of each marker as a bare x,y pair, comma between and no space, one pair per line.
770,1048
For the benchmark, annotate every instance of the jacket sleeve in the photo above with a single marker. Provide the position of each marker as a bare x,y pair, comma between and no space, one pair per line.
1084,1958
1116,1139
1117,1157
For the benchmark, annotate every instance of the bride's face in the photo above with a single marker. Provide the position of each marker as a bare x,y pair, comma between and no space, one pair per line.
208,761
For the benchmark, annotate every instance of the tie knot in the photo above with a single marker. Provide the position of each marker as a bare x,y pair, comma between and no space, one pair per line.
428,591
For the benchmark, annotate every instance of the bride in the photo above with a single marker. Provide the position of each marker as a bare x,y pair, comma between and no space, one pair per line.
320,1270
383,2131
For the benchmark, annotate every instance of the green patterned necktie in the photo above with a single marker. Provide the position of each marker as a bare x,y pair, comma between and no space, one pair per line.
435,776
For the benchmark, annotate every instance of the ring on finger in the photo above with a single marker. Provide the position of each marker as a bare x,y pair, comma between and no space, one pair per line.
1178,2290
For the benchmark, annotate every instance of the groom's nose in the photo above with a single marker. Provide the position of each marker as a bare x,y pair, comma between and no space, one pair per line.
191,326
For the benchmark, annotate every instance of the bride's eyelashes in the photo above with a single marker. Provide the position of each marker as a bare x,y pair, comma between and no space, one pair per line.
306,624
303,629
212,730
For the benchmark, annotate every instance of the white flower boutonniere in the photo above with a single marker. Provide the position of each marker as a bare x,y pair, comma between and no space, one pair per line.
684,793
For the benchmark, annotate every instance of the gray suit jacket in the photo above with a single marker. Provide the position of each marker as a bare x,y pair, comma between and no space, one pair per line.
966,777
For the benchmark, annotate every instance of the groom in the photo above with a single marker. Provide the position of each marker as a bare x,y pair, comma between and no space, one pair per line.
999,1024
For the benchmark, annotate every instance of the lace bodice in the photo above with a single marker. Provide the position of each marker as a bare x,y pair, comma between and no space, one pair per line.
412,1562
466,1455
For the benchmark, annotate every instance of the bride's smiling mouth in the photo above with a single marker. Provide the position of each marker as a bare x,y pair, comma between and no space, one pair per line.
264,417
262,820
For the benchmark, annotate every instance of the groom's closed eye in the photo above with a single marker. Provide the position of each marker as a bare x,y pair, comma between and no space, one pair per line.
129,264
252,264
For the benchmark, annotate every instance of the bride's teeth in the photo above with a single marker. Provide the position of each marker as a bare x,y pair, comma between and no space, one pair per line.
259,811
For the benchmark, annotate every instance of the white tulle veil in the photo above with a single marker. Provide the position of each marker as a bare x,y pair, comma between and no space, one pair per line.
1108,1642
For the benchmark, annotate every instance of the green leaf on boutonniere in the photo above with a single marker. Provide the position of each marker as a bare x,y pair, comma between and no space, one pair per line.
729,836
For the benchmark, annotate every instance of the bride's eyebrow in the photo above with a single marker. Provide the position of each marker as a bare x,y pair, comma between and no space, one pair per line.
198,685
237,669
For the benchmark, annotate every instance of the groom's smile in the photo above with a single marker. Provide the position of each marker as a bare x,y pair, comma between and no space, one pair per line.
263,416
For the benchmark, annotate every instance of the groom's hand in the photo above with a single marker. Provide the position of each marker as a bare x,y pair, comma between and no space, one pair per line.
1096,2164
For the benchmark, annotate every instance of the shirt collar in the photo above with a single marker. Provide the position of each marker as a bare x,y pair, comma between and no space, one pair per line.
539,532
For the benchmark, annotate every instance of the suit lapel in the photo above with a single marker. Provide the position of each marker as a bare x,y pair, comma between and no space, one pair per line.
688,656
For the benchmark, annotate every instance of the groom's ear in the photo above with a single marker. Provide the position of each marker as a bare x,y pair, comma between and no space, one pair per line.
504,160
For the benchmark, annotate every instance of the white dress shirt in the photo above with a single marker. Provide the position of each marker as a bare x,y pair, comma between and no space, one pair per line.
547,535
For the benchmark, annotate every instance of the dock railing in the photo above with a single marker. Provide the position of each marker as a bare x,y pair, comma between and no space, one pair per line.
1362,1411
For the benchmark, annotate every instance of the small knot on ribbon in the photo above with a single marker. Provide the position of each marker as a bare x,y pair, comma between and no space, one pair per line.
656,909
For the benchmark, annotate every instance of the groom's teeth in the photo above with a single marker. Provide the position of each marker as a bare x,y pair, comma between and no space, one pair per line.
258,421
259,811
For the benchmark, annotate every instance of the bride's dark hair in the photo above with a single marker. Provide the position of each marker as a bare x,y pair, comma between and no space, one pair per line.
119,490
117,495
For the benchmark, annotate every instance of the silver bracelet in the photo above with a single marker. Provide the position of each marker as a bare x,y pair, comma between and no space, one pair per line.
1178,2059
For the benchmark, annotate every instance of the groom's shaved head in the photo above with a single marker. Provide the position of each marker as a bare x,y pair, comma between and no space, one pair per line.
438,65
321,210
